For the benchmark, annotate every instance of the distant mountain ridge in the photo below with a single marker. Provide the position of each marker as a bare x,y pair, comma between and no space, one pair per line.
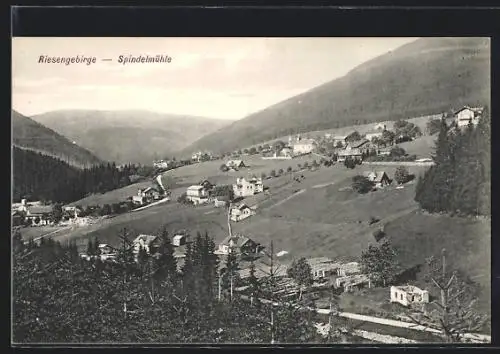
427,76
129,136
30,135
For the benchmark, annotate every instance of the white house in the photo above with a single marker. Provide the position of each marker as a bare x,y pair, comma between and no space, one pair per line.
179,240
197,194
160,164
244,188
467,115
241,212
380,126
406,295
148,242
301,146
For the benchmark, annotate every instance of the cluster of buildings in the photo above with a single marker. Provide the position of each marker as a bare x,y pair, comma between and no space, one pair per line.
146,195
36,213
347,275
202,193
202,156
161,164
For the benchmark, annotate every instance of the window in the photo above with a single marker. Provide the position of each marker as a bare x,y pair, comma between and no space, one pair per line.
401,296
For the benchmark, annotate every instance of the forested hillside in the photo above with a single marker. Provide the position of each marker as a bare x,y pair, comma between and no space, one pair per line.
28,134
460,181
40,177
59,298
428,76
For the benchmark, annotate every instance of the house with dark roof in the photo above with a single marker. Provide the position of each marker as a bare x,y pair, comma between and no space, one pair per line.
466,115
379,178
238,244
241,212
36,213
235,164
149,243
146,195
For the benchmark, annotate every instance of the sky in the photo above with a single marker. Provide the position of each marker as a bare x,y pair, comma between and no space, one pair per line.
225,78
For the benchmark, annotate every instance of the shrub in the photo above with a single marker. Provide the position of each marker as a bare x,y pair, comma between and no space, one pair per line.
401,175
362,184
373,220
273,173
280,171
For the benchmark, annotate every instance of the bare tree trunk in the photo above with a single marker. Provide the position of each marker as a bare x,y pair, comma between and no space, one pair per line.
229,220
231,280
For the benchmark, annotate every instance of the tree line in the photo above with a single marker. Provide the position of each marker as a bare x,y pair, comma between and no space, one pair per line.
460,180
40,177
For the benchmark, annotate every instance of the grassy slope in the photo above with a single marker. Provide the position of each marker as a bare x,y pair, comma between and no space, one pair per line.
28,134
129,136
428,76
319,222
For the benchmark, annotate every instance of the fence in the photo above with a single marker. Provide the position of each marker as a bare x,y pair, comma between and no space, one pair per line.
399,163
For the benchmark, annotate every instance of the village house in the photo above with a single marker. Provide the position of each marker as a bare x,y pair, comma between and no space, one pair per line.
149,243
179,240
241,212
353,282
73,211
379,178
201,155
322,267
146,195
206,184
235,164
374,134
35,212
350,268
301,146
407,295
106,249
197,194
340,139
221,201
244,188
354,150
348,152
238,244
467,115
380,126
160,164
286,152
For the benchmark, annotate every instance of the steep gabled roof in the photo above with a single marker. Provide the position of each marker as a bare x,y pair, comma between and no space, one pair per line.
238,240
474,109
145,239
357,143
195,187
